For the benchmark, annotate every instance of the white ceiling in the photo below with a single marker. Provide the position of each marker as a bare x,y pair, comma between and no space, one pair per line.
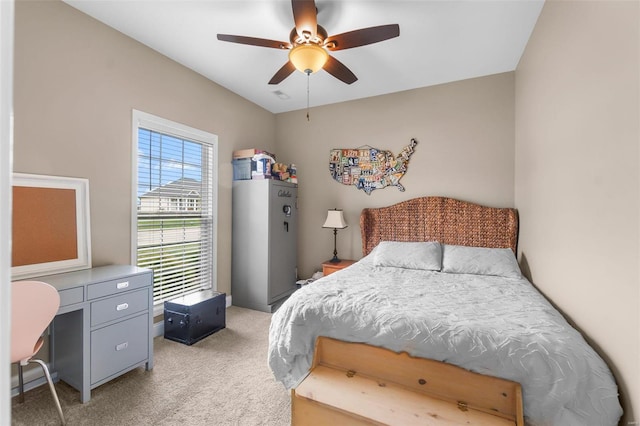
440,41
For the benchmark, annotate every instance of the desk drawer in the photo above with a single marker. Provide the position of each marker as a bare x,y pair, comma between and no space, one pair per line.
71,296
112,308
118,347
109,288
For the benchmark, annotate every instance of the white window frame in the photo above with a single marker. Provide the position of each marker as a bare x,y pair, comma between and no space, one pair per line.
151,122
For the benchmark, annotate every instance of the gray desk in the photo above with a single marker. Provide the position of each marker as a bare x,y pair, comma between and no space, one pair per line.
104,326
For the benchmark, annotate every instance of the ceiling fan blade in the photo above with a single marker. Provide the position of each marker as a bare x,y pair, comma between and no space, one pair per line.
362,37
305,17
262,42
282,73
339,70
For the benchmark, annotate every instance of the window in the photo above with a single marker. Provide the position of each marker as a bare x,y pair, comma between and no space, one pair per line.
175,206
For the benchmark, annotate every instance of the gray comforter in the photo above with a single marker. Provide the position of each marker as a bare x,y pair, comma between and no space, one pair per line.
491,325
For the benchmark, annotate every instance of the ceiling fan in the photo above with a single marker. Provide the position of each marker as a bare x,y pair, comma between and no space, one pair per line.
309,42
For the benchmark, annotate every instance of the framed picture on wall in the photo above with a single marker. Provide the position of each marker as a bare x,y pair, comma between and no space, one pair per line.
50,225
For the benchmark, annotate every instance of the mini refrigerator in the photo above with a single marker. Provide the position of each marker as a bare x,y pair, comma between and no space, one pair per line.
264,243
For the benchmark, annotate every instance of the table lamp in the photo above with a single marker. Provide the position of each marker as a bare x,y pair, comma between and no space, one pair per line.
335,220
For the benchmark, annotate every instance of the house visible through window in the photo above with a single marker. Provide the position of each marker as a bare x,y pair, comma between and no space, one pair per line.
175,206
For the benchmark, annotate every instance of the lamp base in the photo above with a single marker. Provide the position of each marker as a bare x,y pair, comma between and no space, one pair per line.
335,247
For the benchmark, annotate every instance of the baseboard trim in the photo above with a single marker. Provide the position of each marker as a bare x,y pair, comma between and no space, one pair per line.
32,379
158,329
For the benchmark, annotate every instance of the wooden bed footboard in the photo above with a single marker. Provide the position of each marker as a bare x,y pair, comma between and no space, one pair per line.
359,384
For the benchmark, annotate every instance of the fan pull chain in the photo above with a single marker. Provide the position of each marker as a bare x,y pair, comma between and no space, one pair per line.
308,74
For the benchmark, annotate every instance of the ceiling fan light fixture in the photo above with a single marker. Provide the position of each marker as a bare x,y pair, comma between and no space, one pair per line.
308,58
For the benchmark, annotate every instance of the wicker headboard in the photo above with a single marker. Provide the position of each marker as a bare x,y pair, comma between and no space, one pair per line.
440,219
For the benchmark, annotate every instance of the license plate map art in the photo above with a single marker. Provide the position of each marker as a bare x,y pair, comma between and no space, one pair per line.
369,168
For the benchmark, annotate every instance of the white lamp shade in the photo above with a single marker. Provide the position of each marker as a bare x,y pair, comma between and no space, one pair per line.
335,219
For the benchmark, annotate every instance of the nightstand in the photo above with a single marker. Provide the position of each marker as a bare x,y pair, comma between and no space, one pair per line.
329,267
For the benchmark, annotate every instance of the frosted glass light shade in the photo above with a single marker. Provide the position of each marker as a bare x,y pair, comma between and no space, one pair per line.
308,58
335,219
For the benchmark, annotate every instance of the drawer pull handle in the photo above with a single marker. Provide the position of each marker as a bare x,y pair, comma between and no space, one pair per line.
122,307
122,285
122,346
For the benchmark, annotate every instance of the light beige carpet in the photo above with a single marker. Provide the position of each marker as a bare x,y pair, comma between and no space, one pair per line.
221,380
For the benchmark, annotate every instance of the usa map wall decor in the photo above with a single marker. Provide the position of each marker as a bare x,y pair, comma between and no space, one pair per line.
369,168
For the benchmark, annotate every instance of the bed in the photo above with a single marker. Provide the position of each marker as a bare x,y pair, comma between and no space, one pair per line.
439,279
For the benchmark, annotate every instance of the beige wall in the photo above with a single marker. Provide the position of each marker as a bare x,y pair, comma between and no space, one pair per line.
76,82
577,171
465,133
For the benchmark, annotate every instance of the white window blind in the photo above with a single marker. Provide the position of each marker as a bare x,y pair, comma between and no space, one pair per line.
175,212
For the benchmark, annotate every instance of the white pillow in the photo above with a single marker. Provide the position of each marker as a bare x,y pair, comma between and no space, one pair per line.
409,255
500,262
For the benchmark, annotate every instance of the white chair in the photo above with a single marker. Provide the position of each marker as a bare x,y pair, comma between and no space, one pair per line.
33,306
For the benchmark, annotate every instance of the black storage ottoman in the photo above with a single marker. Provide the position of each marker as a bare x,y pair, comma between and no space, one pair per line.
190,318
